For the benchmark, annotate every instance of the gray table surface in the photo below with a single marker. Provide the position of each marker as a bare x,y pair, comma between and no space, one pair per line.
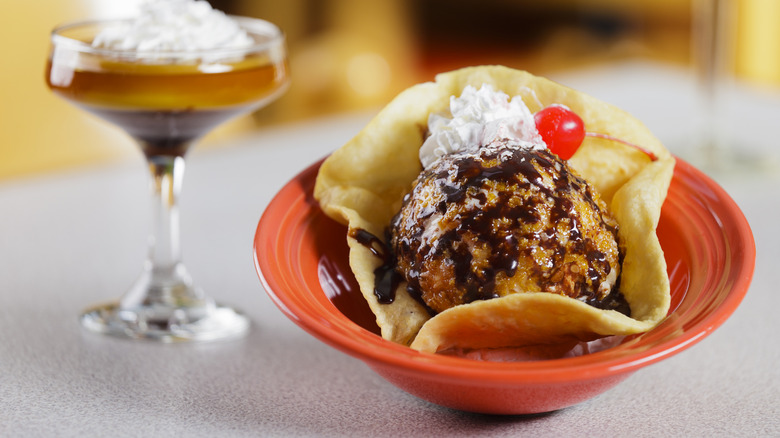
71,239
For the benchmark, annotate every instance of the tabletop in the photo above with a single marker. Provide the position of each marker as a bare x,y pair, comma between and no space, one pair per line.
71,239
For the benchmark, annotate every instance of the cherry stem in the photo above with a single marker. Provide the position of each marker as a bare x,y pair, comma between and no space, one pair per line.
609,137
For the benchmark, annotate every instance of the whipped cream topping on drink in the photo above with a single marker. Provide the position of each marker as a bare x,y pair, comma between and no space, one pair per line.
174,26
479,118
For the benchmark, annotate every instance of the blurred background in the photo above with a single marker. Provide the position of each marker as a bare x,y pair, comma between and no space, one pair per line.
354,56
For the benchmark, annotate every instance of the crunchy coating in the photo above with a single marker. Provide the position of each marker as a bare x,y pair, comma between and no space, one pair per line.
502,220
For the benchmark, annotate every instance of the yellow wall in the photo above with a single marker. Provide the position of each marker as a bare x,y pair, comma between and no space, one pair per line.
39,132
757,54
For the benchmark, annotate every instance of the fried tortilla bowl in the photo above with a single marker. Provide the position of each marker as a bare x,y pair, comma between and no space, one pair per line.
362,185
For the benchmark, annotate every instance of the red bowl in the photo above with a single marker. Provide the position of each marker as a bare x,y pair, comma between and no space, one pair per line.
301,258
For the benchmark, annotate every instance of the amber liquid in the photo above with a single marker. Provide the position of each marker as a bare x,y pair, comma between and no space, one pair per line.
166,107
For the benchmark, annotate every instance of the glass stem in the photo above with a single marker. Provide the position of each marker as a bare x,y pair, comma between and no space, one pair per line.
164,283
164,248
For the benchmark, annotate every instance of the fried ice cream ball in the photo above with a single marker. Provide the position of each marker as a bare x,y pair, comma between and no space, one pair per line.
502,220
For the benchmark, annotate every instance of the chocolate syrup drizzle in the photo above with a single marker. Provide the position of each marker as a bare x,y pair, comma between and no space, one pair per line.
505,249
386,278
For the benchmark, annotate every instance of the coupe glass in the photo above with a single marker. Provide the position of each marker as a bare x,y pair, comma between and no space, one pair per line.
166,101
710,44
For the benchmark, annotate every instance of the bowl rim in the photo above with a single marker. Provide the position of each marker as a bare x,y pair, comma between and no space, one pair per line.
342,333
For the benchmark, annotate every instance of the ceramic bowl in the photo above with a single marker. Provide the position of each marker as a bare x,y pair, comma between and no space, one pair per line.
301,257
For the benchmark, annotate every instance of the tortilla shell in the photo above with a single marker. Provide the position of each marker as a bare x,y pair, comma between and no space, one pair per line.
362,185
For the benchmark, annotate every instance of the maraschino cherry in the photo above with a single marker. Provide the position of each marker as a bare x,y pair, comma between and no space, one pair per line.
561,128
563,131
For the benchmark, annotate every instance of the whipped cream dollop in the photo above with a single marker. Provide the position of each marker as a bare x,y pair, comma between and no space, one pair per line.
480,118
174,26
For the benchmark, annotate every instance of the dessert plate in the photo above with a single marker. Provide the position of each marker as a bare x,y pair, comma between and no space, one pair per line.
301,257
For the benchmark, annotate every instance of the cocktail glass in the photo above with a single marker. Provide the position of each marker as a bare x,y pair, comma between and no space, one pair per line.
166,101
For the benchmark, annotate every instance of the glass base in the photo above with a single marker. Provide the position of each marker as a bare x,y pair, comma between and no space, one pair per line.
211,323
164,306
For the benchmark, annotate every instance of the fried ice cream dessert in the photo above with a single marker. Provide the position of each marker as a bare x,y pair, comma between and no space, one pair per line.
501,220
472,228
